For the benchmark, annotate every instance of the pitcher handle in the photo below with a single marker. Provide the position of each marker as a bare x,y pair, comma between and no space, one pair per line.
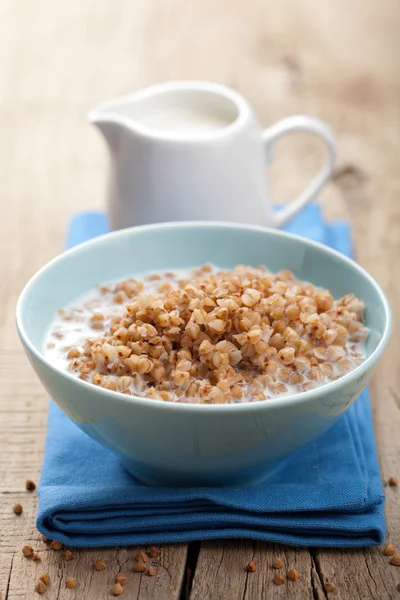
303,124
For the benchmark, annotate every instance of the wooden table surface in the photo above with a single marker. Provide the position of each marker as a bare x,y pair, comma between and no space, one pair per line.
334,59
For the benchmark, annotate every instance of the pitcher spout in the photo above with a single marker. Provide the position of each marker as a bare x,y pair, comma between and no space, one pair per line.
109,125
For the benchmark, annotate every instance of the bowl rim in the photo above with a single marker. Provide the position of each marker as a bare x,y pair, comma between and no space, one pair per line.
270,403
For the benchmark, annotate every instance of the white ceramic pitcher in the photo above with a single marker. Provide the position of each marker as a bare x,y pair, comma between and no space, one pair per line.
195,151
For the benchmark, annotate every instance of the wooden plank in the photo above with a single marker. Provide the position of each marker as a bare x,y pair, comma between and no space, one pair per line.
96,584
221,572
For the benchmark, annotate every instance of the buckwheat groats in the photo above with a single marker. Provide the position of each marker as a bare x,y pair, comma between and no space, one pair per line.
209,336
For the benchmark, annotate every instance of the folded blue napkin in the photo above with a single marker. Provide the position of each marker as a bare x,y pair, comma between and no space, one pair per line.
327,494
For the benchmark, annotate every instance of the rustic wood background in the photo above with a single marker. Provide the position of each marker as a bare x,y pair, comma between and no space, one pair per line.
335,59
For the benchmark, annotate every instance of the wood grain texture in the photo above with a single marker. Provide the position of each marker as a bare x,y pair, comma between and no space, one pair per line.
334,59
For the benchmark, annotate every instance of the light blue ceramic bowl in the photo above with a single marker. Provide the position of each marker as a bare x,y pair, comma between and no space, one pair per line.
189,444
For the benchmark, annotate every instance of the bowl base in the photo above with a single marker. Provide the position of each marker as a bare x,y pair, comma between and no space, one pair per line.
153,476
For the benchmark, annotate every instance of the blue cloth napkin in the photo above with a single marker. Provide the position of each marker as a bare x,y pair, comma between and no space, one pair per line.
327,494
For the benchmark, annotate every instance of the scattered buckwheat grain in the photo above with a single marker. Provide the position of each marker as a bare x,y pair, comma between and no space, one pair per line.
278,563
139,566
329,586
36,556
151,571
56,545
45,577
141,556
100,564
293,575
45,539
30,485
27,551
69,555
17,508
251,567
154,552
71,583
395,560
279,579
393,481
390,550
121,578
118,590
40,587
